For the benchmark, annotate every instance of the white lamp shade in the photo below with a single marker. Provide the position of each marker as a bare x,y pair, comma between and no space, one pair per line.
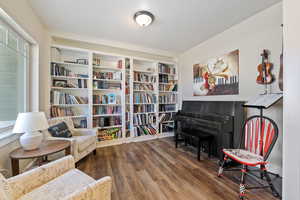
30,122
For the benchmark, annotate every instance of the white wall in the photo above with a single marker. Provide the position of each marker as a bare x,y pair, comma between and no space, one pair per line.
261,31
291,147
23,15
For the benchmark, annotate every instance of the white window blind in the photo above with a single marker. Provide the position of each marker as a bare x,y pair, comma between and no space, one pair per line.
14,54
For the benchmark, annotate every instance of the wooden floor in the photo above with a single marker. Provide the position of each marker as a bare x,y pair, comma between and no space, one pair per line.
156,170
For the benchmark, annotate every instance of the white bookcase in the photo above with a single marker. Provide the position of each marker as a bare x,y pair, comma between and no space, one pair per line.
119,96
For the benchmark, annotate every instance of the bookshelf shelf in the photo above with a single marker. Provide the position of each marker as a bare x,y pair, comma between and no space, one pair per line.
143,82
62,88
68,77
108,127
69,105
106,68
118,90
167,111
108,80
72,117
107,115
118,87
144,71
139,113
107,104
168,92
167,122
150,91
71,64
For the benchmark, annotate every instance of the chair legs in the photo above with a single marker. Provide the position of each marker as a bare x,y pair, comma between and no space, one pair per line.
221,168
199,149
269,181
242,184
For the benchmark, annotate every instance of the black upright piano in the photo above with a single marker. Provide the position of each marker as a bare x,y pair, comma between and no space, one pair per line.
222,119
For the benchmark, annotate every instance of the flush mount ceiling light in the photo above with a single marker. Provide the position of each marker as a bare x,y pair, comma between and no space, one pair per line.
143,18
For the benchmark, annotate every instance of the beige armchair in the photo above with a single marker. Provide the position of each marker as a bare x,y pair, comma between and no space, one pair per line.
57,180
83,141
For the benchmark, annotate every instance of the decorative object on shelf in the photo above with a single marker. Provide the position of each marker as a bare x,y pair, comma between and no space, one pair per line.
143,18
112,98
59,83
31,123
265,76
82,61
217,76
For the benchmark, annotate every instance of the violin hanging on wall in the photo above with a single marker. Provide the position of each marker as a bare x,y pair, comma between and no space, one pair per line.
265,76
280,78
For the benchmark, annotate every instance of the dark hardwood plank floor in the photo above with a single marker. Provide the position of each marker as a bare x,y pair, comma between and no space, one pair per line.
155,170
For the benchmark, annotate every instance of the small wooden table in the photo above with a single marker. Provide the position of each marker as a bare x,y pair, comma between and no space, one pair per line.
47,147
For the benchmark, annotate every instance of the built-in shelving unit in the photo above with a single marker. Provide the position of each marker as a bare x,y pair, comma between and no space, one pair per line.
126,99
168,96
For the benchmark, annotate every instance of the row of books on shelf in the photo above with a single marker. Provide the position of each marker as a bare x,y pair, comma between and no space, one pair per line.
109,134
60,70
80,123
144,98
73,83
168,88
139,86
57,97
166,117
106,85
167,98
164,68
107,121
56,111
110,98
143,119
107,75
144,130
167,107
144,108
98,62
99,110
143,77
164,78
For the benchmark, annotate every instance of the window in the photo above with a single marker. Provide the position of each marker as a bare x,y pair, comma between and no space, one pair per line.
14,59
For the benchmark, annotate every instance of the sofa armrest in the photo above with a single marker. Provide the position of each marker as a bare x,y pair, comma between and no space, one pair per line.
79,132
26,182
100,189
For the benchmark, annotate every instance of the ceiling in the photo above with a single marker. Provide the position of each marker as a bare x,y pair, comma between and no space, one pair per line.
178,26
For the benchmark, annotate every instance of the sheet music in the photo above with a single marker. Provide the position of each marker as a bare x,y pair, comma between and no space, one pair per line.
265,100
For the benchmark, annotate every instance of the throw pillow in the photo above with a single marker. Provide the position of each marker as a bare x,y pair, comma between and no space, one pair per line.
60,130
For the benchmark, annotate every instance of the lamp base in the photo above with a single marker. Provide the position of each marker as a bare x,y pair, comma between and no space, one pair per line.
31,140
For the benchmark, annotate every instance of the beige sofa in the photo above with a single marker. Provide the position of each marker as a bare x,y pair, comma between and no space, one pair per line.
83,141
58,180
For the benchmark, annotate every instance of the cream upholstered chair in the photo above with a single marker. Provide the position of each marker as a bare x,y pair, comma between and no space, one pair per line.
83,141
58,180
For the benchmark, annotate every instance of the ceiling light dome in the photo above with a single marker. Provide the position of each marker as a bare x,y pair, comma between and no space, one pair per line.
143,18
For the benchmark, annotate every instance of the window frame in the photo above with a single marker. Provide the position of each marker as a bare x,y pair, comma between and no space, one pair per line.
31,59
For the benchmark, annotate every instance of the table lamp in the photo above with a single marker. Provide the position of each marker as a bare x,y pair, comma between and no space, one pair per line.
31,124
